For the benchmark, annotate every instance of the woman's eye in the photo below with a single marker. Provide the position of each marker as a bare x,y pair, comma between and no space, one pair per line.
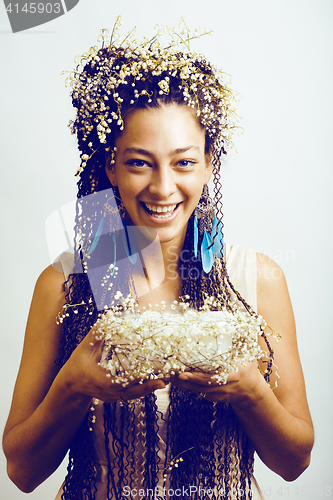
186,163
137,163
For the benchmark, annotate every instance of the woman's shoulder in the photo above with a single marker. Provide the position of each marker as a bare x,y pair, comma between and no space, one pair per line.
64,264
256,274
238,252
50,287
271,284
51,277
258,277
267,268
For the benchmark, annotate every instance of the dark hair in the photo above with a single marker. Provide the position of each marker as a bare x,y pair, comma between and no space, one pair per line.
208,434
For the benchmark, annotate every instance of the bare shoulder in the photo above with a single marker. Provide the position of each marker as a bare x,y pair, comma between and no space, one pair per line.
41,346
272,289
269,272
273,301
47,302
274,305
51,282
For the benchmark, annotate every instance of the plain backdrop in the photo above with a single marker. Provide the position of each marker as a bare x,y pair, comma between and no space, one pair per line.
277,186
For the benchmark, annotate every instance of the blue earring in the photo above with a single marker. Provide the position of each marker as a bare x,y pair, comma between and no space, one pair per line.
207,254
97,236
211,244
129,243
217,238
195,237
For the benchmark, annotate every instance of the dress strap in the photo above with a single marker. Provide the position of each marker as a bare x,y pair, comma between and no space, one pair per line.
242,269
64,264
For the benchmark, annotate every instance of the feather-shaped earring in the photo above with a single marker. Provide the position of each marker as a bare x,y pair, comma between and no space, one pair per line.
97,236
129,242
207,254
195,236
216,237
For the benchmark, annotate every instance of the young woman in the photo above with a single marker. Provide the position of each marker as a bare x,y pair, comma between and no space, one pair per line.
152,124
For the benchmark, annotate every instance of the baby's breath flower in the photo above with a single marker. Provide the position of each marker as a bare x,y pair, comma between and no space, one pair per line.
140,344
100,75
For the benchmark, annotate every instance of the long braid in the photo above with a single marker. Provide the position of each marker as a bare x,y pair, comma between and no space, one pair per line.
206,435
186,412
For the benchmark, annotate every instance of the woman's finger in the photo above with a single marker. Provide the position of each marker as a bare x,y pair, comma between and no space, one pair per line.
200,380
139,390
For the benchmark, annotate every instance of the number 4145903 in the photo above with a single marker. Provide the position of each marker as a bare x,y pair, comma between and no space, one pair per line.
34,8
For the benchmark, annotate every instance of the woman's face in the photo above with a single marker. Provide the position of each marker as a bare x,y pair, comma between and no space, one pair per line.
160,169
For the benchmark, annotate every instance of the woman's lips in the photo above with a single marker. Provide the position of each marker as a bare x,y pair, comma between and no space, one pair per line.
159,214
160,209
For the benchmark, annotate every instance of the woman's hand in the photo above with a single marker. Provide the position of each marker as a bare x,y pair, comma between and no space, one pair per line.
242,385
277,420
49,404
84,376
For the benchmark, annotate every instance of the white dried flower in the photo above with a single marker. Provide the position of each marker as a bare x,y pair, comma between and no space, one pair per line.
100,75
139,344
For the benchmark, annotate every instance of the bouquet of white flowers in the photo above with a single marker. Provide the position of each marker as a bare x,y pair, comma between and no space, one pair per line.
143,343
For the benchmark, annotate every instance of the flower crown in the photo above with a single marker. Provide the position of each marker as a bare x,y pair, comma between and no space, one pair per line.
103,75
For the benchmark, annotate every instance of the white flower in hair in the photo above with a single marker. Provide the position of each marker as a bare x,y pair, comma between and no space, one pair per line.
103,75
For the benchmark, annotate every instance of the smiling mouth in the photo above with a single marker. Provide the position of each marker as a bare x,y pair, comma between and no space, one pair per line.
158,211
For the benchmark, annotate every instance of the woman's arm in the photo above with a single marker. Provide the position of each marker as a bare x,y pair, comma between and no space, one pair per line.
276,420
280,425
50,404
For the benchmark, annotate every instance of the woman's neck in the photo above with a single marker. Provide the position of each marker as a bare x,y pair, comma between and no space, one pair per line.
161,279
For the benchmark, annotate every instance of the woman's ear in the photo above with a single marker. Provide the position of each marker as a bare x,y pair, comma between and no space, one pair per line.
109,165
209,168
109,170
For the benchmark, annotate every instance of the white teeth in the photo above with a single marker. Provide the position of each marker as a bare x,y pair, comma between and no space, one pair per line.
158,209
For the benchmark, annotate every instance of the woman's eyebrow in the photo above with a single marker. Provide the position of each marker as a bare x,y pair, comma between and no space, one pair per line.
138,151
183,150
148,153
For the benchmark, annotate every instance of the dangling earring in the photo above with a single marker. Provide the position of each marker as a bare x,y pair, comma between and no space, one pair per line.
110,208
207,245
195,236
113,156
126,231
212,242
97,236
120,205
207,254
119,201
205,208
204,211
129,242
217,238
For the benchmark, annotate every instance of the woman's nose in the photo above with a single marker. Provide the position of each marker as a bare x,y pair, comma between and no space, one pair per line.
162,183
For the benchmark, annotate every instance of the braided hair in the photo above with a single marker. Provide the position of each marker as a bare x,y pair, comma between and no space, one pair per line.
217,454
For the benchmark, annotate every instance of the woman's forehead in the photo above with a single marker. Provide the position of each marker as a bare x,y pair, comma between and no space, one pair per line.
172,123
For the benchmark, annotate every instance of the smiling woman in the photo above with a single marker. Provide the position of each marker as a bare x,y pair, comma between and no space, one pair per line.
160,169
152,124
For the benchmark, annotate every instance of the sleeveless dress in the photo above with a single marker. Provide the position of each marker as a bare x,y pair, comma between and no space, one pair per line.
242,269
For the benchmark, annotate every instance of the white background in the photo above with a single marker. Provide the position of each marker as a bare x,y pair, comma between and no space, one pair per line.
277,188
